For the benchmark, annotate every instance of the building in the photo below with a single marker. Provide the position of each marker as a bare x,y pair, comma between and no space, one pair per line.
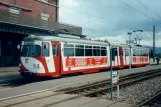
19,18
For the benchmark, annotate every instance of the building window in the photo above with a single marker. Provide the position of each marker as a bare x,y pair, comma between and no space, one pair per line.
44,16
14,11
46,1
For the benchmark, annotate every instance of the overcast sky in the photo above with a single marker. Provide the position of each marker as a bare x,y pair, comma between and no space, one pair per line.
112,19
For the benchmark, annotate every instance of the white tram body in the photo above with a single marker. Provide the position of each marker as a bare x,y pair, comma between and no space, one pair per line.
55,56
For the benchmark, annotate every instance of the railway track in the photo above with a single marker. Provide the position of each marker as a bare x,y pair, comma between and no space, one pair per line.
154,101
107,82
90,90
95,90
10,83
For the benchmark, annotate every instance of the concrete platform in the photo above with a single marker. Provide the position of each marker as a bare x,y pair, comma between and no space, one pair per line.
9,69
60,101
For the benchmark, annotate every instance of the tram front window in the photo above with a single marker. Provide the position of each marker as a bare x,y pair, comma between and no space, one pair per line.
30,50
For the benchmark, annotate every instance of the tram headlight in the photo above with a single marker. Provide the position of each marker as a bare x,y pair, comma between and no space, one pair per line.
19,64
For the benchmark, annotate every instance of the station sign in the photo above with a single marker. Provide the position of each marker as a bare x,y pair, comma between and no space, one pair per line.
115,77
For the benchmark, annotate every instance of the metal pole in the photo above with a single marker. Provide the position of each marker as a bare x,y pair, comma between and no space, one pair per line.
154,43
111,71
57,11
130,54
118,93
130,58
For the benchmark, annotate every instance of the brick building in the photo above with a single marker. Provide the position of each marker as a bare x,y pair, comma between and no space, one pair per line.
19,18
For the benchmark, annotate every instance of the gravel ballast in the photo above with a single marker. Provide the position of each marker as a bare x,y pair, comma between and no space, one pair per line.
139,92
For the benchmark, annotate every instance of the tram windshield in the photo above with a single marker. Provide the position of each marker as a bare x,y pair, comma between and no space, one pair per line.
30,50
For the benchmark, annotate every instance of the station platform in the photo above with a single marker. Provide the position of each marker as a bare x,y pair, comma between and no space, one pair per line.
60,100
9,69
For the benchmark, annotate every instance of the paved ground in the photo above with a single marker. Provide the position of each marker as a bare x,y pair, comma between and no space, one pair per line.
60,101
32,87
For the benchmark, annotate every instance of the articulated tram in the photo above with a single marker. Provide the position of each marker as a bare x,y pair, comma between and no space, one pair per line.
55,56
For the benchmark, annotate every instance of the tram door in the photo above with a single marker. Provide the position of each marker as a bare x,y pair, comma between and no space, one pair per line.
121,57
56,56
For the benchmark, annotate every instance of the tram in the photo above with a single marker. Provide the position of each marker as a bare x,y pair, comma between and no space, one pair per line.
55,56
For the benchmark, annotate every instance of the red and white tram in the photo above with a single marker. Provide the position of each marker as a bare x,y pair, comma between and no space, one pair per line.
55,56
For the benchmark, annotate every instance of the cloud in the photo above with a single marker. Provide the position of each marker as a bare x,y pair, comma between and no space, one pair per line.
113,19
70,3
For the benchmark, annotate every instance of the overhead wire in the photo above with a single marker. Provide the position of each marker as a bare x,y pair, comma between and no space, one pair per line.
148,8
101,18
88,14
139,11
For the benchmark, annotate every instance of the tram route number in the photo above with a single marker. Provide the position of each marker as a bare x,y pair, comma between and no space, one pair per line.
115,77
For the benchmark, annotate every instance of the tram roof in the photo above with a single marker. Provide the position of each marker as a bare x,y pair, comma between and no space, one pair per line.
76,40
62,39
127,46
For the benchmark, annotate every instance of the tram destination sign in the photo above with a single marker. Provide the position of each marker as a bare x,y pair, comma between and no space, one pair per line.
29,42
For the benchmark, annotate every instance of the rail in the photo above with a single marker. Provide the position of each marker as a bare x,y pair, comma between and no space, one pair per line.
153,99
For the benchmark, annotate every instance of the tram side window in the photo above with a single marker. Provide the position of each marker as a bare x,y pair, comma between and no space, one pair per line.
146,52
68,50
126,52
96,51
79,50
134,53
88,50
103,51
45,49
137,52
141,53
55,50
